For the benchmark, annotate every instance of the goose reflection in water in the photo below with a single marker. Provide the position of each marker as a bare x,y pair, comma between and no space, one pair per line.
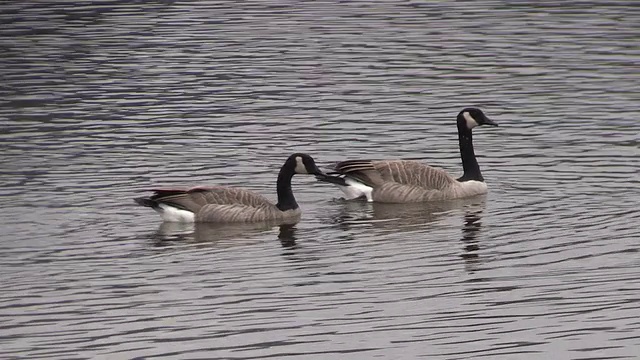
470,230
222,235
416,217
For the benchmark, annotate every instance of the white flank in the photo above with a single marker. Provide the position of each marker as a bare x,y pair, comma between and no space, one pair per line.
471,122
300,168
356,189
473,187
172,214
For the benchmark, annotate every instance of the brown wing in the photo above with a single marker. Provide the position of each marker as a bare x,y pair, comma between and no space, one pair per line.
393,192
414,173
363,170
241,213
406,172
196,198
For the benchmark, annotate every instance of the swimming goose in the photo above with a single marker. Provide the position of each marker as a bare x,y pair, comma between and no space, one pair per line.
404,181
228,204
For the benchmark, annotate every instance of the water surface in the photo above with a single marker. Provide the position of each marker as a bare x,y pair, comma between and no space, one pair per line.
102,100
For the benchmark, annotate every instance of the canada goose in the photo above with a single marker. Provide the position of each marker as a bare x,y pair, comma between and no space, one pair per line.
404,181
228,204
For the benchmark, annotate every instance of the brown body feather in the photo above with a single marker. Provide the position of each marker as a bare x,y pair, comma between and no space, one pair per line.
405,181
405,172
223,204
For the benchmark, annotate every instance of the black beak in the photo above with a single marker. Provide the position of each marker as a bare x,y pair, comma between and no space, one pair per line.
316,172
488,121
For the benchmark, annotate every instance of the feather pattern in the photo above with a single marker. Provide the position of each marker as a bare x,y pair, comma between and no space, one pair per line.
195,198
405,172
244,213
393,192
402,181
222,204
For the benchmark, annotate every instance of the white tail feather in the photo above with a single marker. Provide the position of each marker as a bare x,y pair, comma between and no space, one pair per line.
355,189
173,214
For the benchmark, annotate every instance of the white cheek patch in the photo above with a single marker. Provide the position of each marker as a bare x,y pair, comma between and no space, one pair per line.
300,168
471,122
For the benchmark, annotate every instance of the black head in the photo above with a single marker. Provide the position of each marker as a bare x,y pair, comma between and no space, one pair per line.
471,117
303,164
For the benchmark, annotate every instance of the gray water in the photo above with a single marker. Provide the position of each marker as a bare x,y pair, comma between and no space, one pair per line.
102,100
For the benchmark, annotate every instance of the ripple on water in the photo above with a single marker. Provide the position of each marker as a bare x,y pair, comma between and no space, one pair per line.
103,100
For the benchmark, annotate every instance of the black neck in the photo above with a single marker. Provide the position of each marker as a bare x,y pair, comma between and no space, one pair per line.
469,162
286,201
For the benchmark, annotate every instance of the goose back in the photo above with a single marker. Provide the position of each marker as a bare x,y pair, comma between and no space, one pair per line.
222,204
405,172
393,192
406,181
194,199
244,213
